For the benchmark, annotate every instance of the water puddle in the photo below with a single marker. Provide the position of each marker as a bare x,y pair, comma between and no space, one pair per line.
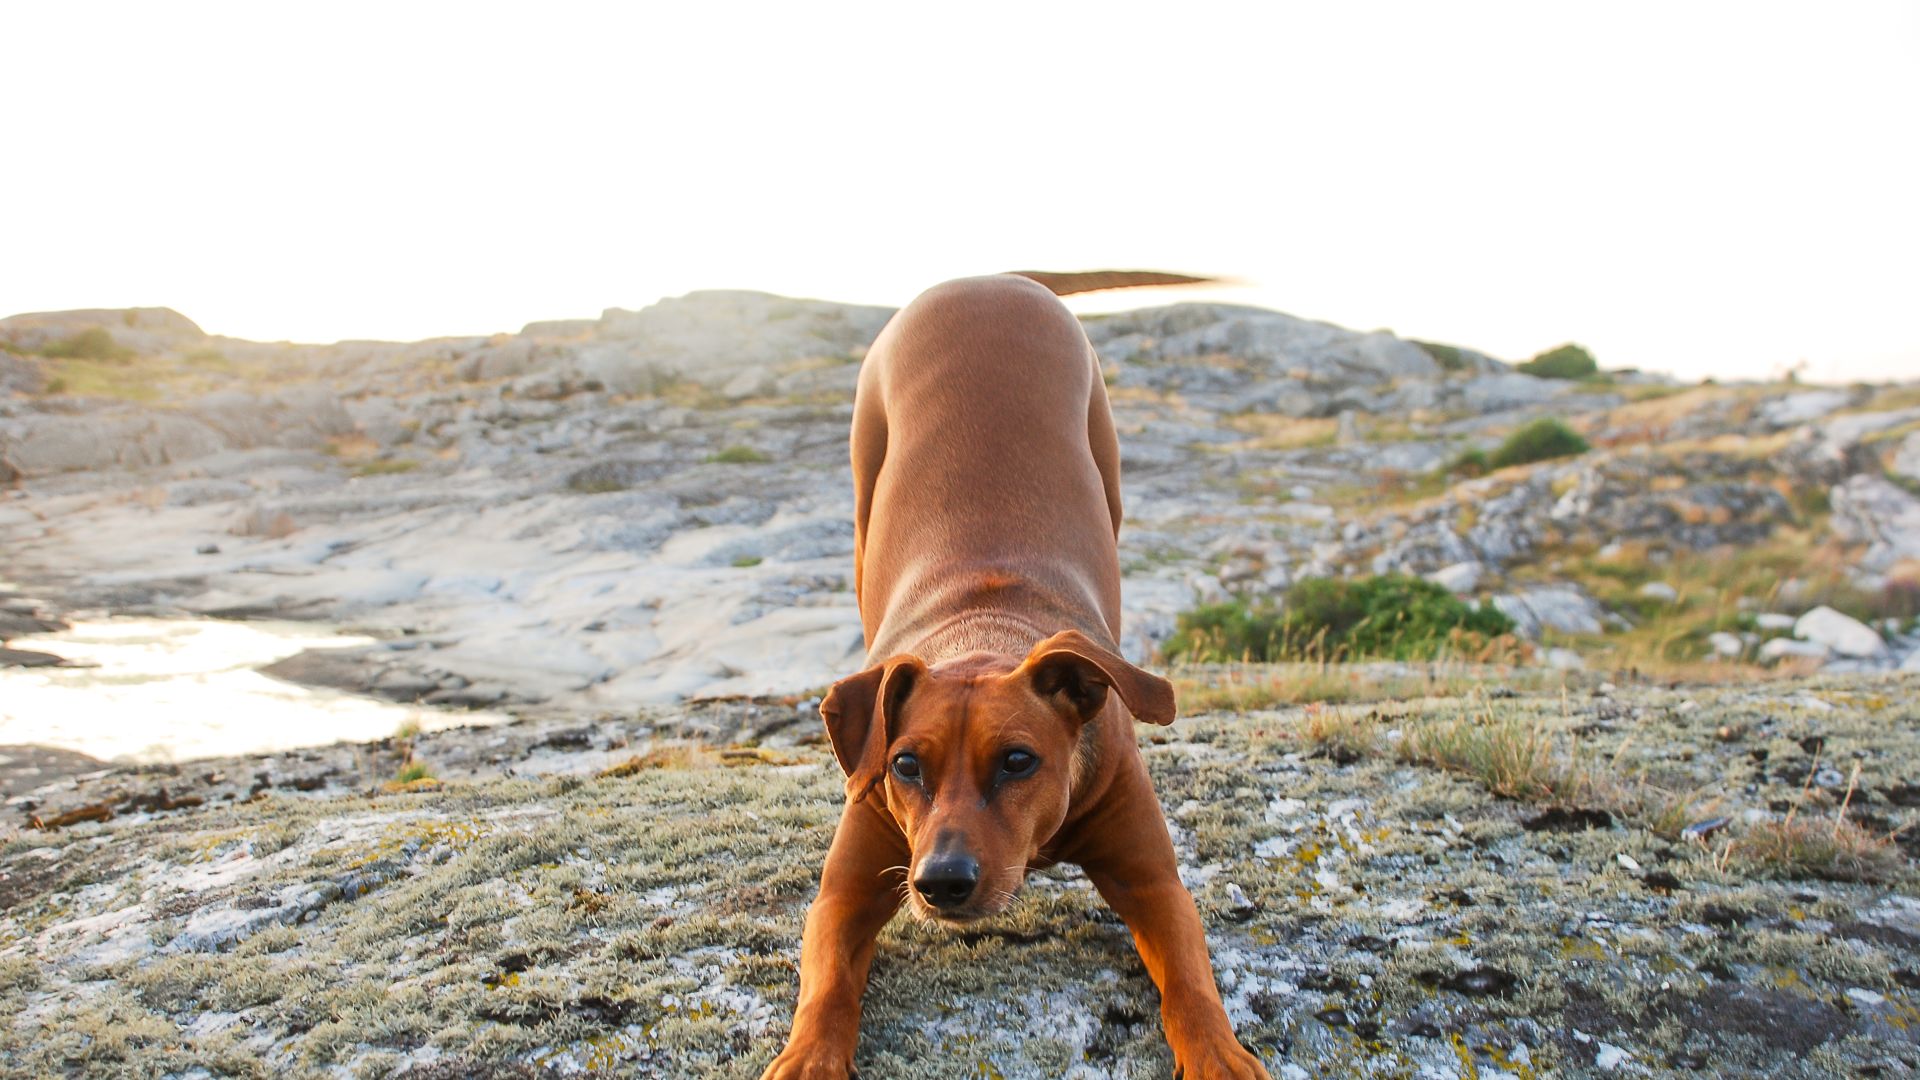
166,690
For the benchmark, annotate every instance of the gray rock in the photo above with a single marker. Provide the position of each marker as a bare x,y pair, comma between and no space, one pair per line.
1773,620
1839,632
1460,577
1906,460
1782,648
1661,591
1725,644
1510,390
1795,409
1874,511
1557,607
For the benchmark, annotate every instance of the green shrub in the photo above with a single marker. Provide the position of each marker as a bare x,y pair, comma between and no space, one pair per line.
738,455
1391,615
93,343
1471,462
1542,440
1448,357
1566,362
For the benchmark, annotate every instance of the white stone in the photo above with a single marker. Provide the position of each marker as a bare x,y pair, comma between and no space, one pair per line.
1610,1057
1563,660
1661,591
1461,577
1773,620
1781,648
1906,460
1840,632
1725,644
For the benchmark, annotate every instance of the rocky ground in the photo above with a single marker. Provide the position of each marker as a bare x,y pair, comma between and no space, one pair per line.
654,505
1690,881
1672,840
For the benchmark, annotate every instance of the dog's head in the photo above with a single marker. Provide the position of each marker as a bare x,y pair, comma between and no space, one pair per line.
977,757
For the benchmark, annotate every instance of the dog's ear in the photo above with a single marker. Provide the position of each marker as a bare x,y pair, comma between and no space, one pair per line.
1073,668
856,712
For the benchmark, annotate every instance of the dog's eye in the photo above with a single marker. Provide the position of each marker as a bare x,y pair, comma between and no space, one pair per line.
907,767
1019,763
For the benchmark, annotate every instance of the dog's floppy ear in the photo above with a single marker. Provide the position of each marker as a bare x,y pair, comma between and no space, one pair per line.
856,712
1074,668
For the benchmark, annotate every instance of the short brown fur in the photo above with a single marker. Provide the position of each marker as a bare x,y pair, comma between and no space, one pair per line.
987,505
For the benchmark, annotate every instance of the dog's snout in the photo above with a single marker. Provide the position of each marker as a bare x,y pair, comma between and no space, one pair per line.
946,881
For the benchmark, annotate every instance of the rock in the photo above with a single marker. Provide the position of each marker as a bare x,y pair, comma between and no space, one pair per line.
1661,591
28,658
1725,644
1557,607
1874,511
1839,632
1773,620
1512,390
1460,577
1796,409
1783,648
1563,660
1906,460
20,375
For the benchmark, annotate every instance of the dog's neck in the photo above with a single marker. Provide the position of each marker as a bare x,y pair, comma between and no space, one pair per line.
976,610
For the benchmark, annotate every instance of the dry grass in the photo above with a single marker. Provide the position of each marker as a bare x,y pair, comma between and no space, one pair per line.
1510,758
1247,687
1338,734
1796,846
1271,431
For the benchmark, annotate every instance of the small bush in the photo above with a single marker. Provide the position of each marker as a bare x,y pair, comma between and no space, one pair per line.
93,343
1448,357
738,455
1566,362
1542,440
413,772
1471,463
1391,615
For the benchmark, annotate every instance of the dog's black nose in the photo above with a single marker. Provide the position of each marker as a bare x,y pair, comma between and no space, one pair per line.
947,880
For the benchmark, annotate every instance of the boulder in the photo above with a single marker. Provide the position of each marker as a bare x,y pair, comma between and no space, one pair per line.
1725,644
1875,511
1906,460
1460,577
1785,648
1555,607
1839,632
1510,390
1796,409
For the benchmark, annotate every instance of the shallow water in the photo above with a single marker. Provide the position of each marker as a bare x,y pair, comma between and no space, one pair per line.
172,689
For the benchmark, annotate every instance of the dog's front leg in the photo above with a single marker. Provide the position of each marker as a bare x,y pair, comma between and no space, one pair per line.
1142,885
860,889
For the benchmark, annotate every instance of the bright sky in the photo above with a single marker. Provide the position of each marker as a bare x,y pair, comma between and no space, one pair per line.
1697,188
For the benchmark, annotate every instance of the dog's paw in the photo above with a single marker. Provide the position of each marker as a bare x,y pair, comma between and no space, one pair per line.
1224,1060
809,1063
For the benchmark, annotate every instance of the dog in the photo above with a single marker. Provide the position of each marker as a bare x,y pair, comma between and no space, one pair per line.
992,734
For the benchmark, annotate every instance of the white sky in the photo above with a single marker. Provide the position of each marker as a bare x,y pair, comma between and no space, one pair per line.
1698,188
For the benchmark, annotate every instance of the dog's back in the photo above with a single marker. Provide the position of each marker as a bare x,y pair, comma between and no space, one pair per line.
986,475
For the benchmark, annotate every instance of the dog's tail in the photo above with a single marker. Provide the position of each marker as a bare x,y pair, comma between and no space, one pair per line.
1066,284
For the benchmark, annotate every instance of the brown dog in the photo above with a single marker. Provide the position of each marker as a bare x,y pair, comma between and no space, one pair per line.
983,742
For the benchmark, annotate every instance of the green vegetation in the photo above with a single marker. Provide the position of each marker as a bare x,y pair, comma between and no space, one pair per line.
93,343
1449,357
1542,440
1391,615
1565,362
385,467
744,561
738,455
413,772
